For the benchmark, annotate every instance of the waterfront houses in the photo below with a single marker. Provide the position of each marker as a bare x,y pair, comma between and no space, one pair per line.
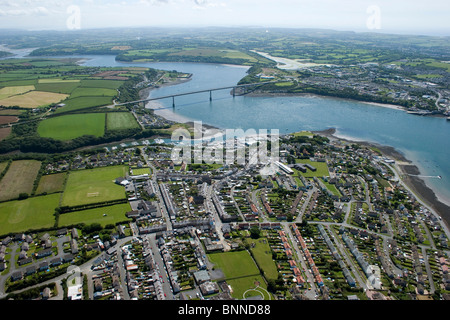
337,225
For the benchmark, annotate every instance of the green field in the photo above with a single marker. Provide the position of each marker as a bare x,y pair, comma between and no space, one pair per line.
32,213
139,171
241,273
234,264
108,84
114,214
80,103
19,179
58,87
250,286
322,168
73,126
92,92
93,185
120,120
263,255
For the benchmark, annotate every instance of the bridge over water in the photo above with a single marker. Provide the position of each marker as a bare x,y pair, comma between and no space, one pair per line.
194,92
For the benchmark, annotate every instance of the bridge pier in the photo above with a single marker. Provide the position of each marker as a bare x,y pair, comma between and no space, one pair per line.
210,95
234,91
173,102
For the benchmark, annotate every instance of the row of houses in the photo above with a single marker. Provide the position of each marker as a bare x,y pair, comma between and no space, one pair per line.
347,274
307,255
292,263
141,277
371,271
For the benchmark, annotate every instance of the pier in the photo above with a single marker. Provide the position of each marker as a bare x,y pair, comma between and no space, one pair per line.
194,92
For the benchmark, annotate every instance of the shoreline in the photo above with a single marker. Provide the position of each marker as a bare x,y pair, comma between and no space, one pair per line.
166,113
405,168
315,95
423,193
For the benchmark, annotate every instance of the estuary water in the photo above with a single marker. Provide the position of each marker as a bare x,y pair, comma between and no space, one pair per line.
423,140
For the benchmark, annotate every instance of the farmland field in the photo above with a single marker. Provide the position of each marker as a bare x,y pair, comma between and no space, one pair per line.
3,166
72,126
58,87
57,80
19,179
33,99
4,132
10,112
120,120
8,119
114,214
79,103
108,84
93,185
12,91
51,183
92,92
31,213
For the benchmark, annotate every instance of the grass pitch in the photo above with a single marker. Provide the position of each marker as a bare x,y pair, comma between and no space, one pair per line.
241,273
32,213
234,264
120,120
93,185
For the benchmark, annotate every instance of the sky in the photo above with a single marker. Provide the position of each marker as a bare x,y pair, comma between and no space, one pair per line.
386,16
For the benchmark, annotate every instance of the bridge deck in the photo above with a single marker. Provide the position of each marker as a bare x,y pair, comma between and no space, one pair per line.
193,92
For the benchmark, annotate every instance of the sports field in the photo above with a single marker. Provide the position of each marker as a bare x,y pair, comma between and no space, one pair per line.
19,179
120,120
234,264
33,99
72,126
32,213
103,215
93,185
